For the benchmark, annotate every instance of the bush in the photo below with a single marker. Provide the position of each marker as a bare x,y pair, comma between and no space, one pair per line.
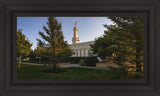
90,61
77,59
82,63
72,59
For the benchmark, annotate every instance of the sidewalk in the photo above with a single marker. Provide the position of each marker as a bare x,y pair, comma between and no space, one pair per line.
32,64
71,65
77,65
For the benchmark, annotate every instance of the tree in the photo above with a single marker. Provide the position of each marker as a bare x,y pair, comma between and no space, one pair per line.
54,40
40,52
131,30
102,47
127,39
23,46
32,55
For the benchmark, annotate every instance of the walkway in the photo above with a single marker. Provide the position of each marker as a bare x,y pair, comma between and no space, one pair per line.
32,64
77,65
65,66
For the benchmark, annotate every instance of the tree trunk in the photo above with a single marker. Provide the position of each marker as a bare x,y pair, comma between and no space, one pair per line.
54,67
19,63
138,64
54,60
138,55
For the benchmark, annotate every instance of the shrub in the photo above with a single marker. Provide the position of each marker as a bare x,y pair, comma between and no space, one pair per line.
82,63
72,60
90,61
77,59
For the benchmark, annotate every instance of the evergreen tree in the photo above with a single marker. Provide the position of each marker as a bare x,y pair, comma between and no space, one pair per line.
102,47
127,40
41,53
54,40
23,46
130,37
32,55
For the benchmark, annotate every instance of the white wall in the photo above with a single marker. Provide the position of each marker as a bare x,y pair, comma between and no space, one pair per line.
78,53
86,53
82,52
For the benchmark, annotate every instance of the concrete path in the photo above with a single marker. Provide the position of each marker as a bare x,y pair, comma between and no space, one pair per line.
93,67
32,64
65,66
71,65
77,65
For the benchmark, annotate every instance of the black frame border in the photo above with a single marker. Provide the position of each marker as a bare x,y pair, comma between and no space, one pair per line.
152,88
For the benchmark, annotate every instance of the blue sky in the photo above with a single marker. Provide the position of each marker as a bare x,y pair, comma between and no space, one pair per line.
89,28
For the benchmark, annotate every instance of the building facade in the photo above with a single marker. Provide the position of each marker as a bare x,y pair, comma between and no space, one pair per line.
82,49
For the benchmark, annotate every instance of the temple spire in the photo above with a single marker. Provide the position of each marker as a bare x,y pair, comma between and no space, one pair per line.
75,38
75,24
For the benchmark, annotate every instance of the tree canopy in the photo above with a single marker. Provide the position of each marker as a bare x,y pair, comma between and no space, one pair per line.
23,45
53,39
124,39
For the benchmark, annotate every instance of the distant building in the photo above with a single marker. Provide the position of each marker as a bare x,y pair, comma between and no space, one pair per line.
82,49
26,59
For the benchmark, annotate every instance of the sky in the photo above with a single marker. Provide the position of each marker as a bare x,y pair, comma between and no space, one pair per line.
89,28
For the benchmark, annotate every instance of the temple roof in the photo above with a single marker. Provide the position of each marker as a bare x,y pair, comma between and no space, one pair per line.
81,45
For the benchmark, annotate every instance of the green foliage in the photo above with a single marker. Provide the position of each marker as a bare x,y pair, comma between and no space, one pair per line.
53,45
42,53
90,62
134,75
23,44
32,56
124,40
101,47
137,60
53,36
82,63
77,59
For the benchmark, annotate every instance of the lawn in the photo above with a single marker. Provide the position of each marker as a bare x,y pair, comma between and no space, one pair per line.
35,72
36,62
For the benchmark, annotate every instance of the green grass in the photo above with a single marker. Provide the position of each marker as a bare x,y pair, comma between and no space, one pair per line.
36,62
34,72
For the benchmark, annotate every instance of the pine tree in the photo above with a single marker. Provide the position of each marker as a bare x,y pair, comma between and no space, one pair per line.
129,33
54,40
124,39
23,46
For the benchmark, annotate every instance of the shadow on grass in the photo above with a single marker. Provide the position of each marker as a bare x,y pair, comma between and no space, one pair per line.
23,67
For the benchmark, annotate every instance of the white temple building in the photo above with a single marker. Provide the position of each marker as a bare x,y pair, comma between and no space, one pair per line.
82,49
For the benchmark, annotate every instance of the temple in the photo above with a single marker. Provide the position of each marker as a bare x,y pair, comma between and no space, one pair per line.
80,49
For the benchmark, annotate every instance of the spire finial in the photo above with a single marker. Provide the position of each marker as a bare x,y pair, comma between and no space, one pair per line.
75,23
